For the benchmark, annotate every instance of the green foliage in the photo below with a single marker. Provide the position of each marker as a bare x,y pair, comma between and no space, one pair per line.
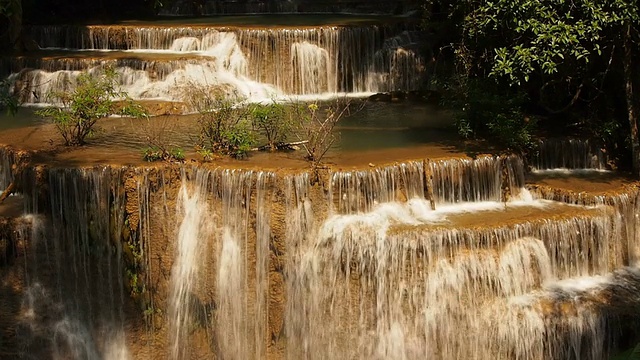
158,153
177,154
8,101
92,99
566,56
135,288
225,126
514,129
549,37
152,154
274,121
207,155
482,109
561,51
238,140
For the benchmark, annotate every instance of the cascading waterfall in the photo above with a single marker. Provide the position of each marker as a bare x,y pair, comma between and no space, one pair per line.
398,62
450,181
157,68
221,235
381,278
232,285
299,228
312,67
568,154
368,290
192,236
356,191
241,264
262,251
467,180
305,61
73,304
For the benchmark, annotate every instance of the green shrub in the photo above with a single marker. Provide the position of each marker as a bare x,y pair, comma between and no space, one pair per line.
156,153
207,155
224,124
152,154
274,121
177,154
8,101
482,110
92,99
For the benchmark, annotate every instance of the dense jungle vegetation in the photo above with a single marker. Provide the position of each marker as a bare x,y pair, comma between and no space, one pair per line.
516,69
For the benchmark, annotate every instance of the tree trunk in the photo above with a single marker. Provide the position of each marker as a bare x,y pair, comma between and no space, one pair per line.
631,104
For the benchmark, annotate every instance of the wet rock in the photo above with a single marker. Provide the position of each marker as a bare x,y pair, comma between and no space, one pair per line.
380,97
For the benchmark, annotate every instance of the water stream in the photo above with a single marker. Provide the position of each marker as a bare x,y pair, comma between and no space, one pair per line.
161,62
250,264
437,258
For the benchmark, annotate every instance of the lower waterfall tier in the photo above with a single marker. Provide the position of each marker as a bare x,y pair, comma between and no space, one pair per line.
188,262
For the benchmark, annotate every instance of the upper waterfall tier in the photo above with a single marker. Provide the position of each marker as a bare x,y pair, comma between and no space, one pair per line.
255,63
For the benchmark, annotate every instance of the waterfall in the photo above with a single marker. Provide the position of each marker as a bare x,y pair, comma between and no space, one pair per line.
257,64
312,66
184,275
355,191
568,154
178,261
73,305
466,180
373,286
263,263
220,276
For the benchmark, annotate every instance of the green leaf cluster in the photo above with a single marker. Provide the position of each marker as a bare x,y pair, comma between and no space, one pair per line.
92,98
224,124
274,121
565,59
157,153
8,101
545,38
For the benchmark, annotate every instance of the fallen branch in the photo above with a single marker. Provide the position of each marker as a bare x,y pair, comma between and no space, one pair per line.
281,146
8,191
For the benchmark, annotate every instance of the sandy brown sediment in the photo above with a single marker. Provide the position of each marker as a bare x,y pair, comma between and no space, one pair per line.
595,182
119,141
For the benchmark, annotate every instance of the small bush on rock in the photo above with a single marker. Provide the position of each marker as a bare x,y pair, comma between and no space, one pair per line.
92,99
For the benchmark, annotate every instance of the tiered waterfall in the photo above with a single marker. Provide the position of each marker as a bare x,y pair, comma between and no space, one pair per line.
161,62
444,259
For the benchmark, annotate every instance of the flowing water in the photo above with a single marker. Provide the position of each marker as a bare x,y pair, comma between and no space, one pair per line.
562,154
74,302
162,61
390,263
441,258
